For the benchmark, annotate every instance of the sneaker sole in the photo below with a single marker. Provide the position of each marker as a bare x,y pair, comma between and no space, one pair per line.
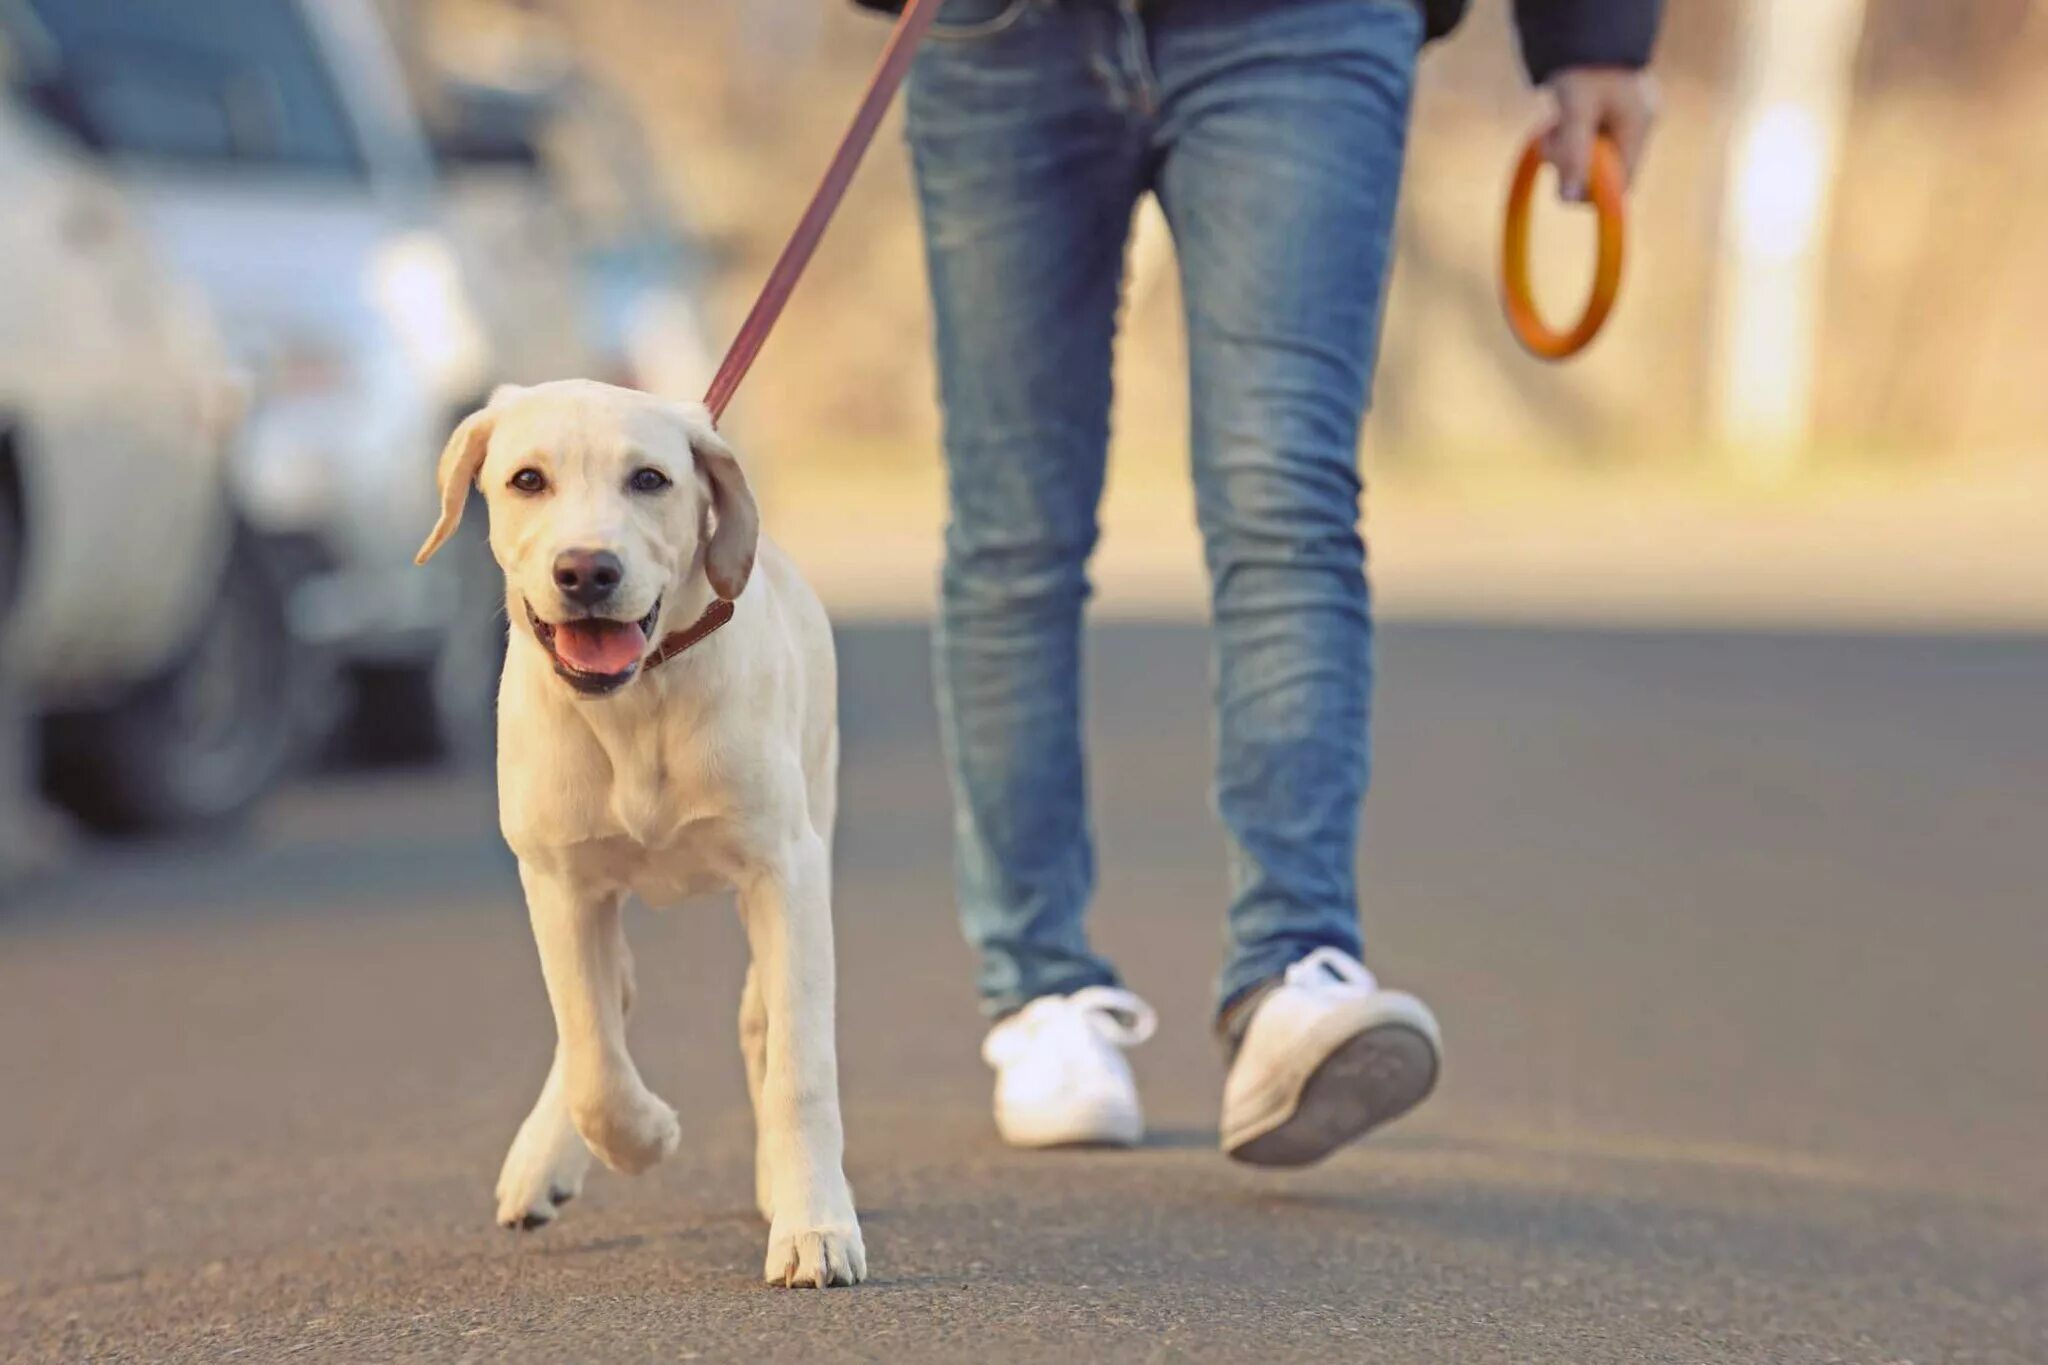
1371,1078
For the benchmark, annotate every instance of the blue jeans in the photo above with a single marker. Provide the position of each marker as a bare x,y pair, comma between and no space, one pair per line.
1272,132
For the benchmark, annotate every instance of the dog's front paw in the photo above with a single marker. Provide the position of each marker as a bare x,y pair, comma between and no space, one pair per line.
629,1135
543,1171
816,1258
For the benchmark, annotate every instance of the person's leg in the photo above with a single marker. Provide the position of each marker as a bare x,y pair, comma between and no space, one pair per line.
1028,168
1284,128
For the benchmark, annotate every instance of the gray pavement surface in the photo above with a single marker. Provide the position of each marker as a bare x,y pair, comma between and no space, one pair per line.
1739,941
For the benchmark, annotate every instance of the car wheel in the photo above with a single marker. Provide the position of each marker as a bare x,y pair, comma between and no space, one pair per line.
197,746
441,709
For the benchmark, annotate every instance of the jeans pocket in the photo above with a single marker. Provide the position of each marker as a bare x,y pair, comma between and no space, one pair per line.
963,20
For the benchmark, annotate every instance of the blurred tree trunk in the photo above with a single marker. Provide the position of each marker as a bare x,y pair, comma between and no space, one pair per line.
1794,82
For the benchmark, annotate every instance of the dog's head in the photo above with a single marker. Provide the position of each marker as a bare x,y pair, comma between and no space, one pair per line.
605,504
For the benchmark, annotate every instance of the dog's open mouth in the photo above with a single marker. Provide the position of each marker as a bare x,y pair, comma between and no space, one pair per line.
595,654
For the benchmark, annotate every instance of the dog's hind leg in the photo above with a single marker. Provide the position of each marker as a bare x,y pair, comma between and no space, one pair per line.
584,959
754,1050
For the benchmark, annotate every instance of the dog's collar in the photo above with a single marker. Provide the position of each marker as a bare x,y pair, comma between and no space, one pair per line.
715,615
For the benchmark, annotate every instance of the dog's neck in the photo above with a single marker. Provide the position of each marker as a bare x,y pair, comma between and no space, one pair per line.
681,641
693,614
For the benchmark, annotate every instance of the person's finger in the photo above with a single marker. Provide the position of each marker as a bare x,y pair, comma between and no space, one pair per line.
1569,147
1629,125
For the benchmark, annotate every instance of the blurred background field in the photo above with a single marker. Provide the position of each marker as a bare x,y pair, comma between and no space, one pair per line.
1932,282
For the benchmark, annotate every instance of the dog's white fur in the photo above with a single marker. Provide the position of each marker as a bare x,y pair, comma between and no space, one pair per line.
718,769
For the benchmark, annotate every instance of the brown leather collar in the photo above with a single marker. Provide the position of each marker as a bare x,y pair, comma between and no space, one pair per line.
715,615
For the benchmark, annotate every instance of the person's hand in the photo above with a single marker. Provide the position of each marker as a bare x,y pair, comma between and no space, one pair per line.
1592,100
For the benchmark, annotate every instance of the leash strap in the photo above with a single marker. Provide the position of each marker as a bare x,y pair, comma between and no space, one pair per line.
911,26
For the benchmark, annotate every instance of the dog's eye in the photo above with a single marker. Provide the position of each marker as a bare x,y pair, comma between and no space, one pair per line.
647,481
530,480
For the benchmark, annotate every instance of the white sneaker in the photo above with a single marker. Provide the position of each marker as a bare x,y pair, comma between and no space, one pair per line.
1327,1057
1061,1077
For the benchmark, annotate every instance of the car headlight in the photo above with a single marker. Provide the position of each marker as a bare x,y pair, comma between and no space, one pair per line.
417,285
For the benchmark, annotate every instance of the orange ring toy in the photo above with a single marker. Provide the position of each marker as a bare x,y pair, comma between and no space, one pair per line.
1606,188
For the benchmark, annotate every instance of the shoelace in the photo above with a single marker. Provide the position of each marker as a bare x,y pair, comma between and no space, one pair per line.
1332,968
1113,1014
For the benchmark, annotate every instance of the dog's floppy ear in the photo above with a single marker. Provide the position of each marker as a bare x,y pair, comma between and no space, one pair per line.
736,528
460,460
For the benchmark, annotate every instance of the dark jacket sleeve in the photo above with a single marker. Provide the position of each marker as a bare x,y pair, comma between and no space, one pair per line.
1561,33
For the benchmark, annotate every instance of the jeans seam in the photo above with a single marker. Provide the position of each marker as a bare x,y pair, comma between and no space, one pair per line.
1120,62
1142,82
1003,21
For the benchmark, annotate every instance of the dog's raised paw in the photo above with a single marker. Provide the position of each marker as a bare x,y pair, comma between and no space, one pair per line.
630,1137
817,1258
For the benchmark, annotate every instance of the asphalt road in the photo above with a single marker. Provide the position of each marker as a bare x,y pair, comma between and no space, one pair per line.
1741,945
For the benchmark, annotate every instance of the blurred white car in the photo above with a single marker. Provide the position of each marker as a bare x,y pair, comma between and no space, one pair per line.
276,159
135,615
553,184
551,181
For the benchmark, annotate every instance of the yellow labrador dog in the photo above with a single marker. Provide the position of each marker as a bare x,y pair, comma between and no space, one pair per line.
639,754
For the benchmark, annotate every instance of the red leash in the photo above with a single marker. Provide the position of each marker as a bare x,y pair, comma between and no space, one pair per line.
911,27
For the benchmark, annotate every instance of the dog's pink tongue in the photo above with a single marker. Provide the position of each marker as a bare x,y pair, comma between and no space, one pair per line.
599,646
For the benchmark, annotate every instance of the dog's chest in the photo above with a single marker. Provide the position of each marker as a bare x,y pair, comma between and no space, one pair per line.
669,836
700,858
653,796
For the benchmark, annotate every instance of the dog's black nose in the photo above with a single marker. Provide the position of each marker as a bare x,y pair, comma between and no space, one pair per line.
587,577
